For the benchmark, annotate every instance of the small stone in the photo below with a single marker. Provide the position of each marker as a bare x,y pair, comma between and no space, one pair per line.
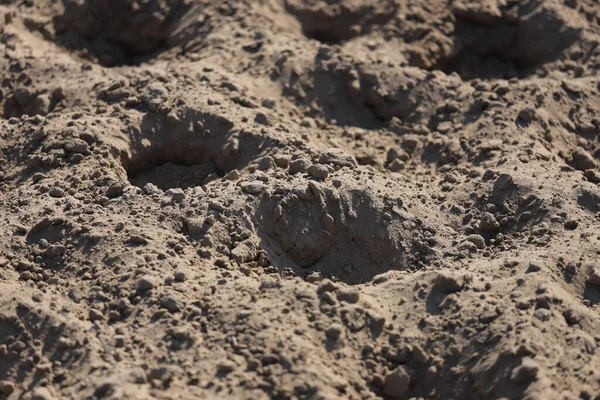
396,382
337,157
328,298
216,205
349,295
582,160
145,283
571,224
502,89
477,240
119,341
137,239
410,143
571,316
173,118
419,355
313,277
233,175
170,303
445,283
377,380
396,165
266,163
154,105
41,393
282,160
132,101
155,90
137,375
526,372
444,127
180,276
56,250
42,104
594,278
26,275
503,183
253,187
376,322
543,314
381,278
488,223
23,97
114,315
38,176
225,367
195,226
77,145
326,286
396,153
96,315
151,188
299,166
59,94
17,346
176,193
7,387
527,114
179,333
115,190
534,266
245,251
334,331
571,268
56,192
318,172
262,119
592,176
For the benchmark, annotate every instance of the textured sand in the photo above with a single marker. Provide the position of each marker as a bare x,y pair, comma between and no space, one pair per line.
299,199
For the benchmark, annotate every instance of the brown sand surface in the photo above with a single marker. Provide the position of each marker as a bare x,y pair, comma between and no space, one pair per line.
299,199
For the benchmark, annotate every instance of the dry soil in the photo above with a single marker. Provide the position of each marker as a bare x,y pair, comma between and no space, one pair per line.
299,199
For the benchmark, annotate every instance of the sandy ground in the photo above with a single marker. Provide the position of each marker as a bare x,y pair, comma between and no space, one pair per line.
299,199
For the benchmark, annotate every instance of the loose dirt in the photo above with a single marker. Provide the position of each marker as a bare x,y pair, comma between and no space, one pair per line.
299,199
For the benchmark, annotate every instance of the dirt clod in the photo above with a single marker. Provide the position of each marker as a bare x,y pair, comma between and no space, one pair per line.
396,383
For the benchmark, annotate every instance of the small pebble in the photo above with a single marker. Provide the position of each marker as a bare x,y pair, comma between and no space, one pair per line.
170,303
56,192
318,172
334,331
396,382
582,160
145,283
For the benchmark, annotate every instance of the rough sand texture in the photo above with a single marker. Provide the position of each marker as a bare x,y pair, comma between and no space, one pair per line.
299,199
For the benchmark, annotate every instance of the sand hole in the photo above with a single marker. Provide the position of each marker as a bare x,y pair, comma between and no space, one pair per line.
200,148
514,44
114,33
170,175
335,25
343,237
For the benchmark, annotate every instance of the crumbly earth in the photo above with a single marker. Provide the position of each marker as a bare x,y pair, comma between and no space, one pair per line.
299,199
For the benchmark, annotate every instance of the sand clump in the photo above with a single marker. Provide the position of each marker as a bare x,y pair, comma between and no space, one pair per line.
299,199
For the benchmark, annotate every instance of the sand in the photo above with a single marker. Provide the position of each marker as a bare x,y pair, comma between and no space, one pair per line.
299,199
